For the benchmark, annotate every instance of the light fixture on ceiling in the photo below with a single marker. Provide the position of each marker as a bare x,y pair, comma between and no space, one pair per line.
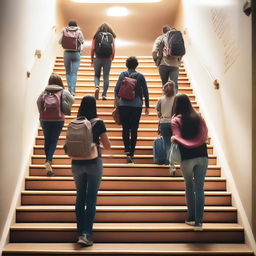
117,11
116,1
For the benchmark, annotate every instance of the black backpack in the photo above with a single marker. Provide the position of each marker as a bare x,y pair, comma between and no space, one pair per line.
175,43
103,45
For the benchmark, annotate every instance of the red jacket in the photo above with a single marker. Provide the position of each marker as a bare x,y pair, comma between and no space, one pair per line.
200,139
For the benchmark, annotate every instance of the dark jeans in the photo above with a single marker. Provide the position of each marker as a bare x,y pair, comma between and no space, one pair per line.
98,65
169,73
87,178
130,118
166,133
52,130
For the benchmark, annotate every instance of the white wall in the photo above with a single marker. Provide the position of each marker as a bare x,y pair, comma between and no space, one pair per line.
26,25
218,41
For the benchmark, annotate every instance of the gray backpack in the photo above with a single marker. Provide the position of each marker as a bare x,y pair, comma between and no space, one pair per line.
79,139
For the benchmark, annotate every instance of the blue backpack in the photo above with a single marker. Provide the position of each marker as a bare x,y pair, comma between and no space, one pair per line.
159,154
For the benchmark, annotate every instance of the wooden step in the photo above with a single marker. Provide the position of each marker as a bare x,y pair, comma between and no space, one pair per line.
140,150
122,183
108,158
124,214
126,170
115,140
132,198
135,249
128,232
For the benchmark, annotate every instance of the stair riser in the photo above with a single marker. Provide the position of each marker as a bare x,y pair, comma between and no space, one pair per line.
66,236
114,133
115,160
110,93
60,151
122,185
122,200
122,171
123,217
82,74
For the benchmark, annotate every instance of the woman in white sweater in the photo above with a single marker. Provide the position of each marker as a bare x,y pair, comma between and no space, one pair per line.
164,112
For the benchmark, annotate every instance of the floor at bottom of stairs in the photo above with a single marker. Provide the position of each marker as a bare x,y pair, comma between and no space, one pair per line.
148,249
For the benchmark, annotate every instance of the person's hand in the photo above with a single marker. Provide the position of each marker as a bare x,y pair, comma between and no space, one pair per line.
173,139
146,111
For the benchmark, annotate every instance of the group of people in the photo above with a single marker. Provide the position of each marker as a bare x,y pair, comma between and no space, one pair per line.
179,123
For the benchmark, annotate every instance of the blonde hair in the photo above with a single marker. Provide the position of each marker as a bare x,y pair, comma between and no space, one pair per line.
169,89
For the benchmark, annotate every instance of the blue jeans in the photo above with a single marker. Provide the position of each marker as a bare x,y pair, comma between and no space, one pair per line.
87,178
169,73
72,63
106,65
166,133
51,130
194,171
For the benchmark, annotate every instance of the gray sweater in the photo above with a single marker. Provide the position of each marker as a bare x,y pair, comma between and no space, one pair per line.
164,109
67,98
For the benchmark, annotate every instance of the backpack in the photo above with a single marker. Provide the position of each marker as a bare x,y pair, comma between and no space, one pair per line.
127,89
70,40
103,45
79,139
175,43
159,153
51,106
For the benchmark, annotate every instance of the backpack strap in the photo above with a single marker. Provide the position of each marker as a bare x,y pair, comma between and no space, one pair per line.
94,121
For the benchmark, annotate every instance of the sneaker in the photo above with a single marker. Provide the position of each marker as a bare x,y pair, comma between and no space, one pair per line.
172,170
104,97
198,227
96,94
129,160
190,222
48,168
84,241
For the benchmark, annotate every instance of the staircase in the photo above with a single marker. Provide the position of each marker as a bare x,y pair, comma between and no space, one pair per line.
140,208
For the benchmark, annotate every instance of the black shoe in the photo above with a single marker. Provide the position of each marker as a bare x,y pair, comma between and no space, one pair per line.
129,160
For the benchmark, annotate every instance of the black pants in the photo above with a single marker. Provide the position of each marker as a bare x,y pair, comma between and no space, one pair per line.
130,118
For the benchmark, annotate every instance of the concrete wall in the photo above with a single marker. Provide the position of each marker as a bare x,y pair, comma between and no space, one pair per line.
218,41
26,25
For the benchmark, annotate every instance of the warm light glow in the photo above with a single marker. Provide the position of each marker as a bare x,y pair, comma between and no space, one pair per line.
117,11
115,1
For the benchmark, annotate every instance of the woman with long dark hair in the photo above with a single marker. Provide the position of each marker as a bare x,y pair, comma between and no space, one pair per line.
191,133
87,174
102,54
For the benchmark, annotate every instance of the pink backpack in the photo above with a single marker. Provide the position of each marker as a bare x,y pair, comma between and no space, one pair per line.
127,88
51,106
70,40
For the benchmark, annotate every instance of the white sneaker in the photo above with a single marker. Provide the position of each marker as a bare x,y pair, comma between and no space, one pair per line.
84,241
172,170
48,168
190,223
198,227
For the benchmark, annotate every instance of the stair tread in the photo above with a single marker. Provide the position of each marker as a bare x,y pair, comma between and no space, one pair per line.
123,193
120,208
129,226
118,165
129,248
123,178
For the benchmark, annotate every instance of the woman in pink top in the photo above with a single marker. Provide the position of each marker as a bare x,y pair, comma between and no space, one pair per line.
102,54
190,132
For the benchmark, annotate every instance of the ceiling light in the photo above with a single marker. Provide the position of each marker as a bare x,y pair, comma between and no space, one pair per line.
117,11
115,1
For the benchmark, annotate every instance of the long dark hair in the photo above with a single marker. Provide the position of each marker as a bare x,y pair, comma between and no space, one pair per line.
104,28
191,121
88,107
55,79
